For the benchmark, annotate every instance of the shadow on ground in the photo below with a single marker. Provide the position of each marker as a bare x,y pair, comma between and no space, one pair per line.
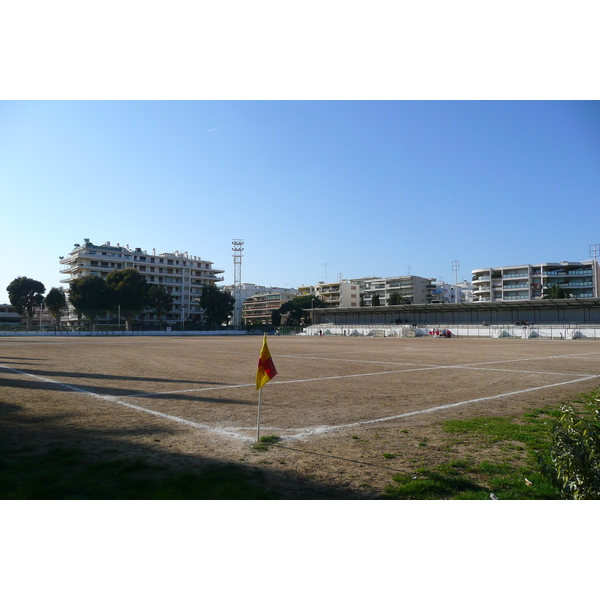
41,459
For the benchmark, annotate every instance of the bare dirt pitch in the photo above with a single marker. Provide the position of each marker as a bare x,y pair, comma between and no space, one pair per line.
338,403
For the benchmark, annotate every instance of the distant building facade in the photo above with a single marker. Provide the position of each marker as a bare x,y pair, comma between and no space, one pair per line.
248,290
181,273
450,293
413,289
8,315
529,282
258,309
344,294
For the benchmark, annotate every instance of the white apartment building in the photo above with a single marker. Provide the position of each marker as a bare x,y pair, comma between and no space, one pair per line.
181,273
342,294
527,282
450,293
416,290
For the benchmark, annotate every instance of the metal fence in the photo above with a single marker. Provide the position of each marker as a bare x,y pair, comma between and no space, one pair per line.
571,331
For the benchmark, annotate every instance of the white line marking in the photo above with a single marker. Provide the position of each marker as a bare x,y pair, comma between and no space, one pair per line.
315,430
115,400
327,428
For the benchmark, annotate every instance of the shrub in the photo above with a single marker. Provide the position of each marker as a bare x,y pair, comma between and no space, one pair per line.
573,464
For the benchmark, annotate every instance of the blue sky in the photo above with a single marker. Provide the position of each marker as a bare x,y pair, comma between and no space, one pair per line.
315,188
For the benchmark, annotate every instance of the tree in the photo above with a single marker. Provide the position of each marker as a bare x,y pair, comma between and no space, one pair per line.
159,301
129,292
375,300
395,299
56,303
276,317
555,291
218,305
90,297
295,308
26,295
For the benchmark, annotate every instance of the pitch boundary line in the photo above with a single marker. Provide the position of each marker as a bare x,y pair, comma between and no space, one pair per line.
285,382
233,432
115,400
327,428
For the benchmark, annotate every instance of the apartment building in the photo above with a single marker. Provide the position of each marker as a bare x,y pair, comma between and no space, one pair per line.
414,289
257,309
181,273
528,282
343,294
451,293
42,318
248,290
9,315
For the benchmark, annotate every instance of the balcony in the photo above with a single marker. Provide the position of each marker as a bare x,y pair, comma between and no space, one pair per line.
588,283
574,273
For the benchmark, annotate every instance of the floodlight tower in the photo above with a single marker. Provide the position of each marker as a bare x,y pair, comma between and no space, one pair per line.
238,248
594,253
455,265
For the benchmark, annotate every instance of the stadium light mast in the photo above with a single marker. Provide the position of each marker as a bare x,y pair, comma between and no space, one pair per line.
455,265
594,253
238,248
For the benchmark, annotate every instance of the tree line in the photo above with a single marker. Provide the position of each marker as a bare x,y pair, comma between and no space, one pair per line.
125,291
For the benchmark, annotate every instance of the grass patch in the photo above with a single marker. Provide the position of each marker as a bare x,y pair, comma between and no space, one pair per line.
63,473
431,485
514,476
265,442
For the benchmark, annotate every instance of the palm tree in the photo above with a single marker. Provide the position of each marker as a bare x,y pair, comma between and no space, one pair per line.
554,292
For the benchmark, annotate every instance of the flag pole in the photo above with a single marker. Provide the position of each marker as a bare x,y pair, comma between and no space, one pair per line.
258,420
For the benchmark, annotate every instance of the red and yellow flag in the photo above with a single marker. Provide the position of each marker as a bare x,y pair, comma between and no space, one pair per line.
266,369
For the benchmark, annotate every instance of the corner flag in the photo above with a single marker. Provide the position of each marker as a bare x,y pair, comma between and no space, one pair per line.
266,369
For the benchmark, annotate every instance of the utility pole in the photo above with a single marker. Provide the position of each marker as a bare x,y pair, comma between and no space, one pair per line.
455,265
238,248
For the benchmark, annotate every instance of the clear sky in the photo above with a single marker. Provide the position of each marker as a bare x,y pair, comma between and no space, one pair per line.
314,188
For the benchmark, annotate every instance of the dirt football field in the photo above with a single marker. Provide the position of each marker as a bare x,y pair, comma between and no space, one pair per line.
337,403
